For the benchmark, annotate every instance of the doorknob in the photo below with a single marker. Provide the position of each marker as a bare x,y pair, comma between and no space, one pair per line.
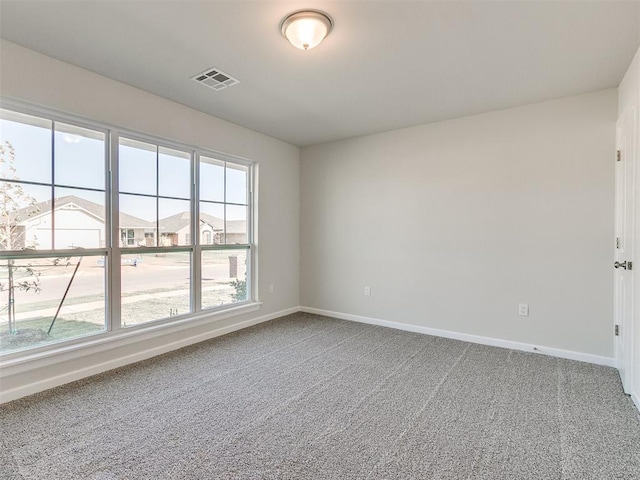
625,265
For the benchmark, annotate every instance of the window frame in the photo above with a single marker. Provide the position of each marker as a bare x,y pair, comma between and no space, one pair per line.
113,250
249,246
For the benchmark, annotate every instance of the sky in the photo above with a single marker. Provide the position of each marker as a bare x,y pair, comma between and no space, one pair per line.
79,162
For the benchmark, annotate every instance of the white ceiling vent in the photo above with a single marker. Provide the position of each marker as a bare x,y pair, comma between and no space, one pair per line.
214,78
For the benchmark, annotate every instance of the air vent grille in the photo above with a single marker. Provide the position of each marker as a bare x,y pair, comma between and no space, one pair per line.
216,79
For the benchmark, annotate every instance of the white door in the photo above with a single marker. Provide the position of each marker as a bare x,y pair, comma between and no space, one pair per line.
624,273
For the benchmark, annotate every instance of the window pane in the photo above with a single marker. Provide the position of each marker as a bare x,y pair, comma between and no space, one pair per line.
174,173
35,288
154,286
211,179
236,231
211,223
224,277
137,164
79,218
236,183
80,157
29,149
25,216
137,220
175,222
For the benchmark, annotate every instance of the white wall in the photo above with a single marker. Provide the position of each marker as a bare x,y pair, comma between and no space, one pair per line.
629,97
29,76
453,224
629,87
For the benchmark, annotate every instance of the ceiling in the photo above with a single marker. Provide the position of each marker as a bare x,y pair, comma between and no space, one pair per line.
385,65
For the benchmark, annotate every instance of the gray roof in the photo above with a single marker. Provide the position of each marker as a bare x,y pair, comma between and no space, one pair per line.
169,224
233,226
177,222
98,211
236,226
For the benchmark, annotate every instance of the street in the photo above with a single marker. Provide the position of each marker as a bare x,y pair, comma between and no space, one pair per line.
90,282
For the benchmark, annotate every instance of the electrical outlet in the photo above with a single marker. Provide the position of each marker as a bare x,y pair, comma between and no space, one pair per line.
271,288
367,291
523,309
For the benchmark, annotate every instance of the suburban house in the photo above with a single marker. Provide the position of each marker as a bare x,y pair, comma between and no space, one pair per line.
80,223
175,230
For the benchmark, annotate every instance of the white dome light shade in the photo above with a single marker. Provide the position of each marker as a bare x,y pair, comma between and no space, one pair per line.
306,29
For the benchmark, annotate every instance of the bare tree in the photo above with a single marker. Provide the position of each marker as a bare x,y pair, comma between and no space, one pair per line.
16,205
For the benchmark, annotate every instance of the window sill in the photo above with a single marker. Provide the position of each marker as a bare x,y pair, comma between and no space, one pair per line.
20,362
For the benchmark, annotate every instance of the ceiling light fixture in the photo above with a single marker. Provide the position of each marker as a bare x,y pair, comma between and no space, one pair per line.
305,29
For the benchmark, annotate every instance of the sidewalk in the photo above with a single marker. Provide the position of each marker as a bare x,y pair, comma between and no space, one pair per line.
85,307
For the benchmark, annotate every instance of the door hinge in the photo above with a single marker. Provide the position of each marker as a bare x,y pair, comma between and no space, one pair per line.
629,265
617,242
616,330
618,156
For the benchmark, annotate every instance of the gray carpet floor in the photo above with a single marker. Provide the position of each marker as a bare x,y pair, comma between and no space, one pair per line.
309,397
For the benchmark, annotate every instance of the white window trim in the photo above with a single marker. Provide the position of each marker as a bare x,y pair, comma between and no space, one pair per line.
114,335
25,360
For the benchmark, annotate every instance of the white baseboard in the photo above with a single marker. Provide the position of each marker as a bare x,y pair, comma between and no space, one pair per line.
494,342
636,399
77,374
93,369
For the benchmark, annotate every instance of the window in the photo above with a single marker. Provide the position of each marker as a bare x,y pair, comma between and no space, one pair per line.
224,215
154,286
155,199
174,223
54,232
224,277
127,237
